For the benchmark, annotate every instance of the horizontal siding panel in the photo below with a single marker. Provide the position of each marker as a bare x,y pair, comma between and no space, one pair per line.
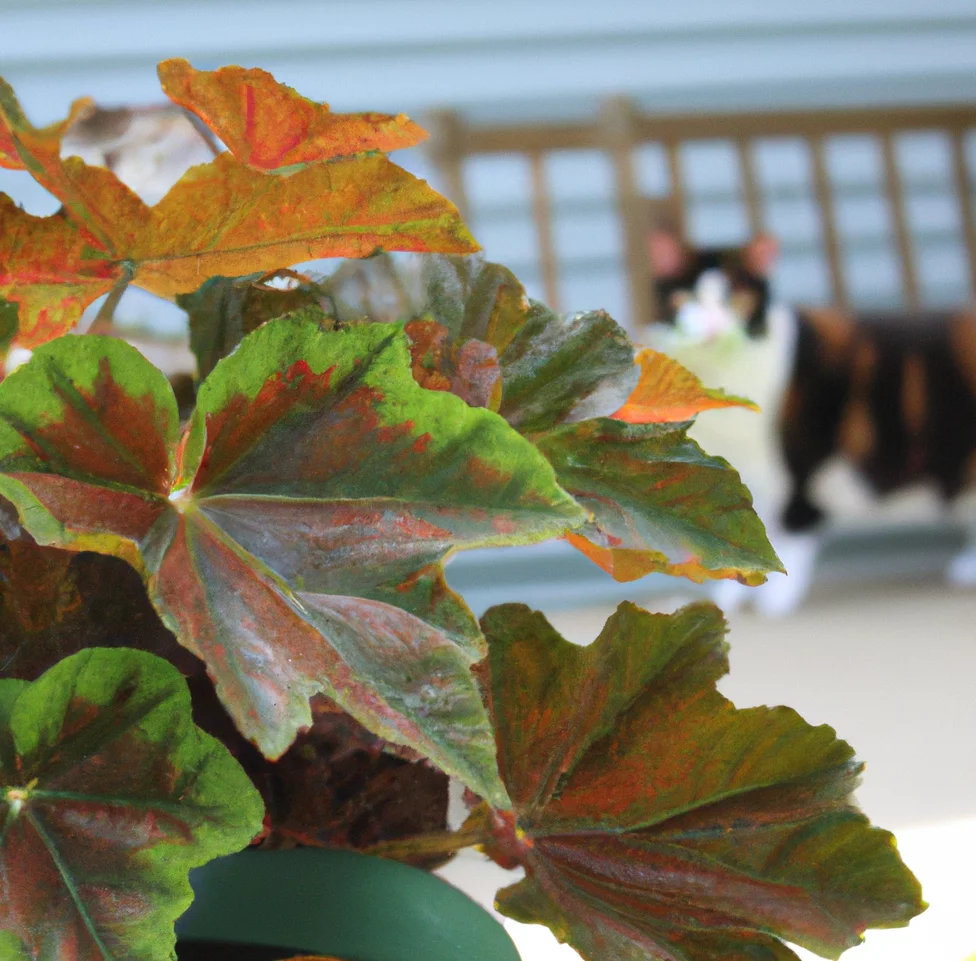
496,58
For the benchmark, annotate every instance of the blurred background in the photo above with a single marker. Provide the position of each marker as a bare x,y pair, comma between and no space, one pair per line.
847,130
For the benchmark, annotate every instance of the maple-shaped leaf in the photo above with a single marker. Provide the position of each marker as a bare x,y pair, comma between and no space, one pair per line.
108,797
659,503
293,537
221,218
657,821
270,126
669,393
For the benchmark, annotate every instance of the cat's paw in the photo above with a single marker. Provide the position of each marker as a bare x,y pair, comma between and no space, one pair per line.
729,595
961,571
780,596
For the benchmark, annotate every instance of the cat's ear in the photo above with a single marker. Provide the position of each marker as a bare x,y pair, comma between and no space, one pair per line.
667,254
760,254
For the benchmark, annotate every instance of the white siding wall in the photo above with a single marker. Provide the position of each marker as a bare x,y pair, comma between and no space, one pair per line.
511,59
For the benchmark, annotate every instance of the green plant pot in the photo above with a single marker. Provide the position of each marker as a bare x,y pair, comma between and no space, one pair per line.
266,905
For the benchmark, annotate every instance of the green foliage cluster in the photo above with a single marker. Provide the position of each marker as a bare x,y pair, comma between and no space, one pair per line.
230,625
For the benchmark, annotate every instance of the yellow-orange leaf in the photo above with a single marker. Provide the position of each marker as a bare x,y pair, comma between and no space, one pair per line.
222,218
268,125
669,393
15,139
225,218
91,199
629,564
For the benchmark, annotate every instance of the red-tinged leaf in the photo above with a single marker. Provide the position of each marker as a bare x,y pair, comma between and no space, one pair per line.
94,198
293,539
221,218
655,820
471,371
669,393
49,272
349,208
267,125
553,368
658,503
109,796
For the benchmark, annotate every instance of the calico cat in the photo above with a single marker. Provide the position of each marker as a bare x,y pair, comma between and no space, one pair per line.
893,397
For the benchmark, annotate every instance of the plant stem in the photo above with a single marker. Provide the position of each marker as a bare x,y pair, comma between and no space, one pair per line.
441,842
102,324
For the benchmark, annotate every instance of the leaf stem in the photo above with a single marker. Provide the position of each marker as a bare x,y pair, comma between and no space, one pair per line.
440,842
105,318
69,883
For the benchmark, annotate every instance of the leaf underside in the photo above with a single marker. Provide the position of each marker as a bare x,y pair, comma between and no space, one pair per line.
669,393
659,503
655,820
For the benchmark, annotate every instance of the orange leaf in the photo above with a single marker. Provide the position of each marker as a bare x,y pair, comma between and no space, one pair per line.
668,393
349,208
268,125
220,218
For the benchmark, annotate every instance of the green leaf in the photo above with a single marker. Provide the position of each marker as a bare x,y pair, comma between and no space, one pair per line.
473,298
659,503
565,368
655,820
8,327
110,796
293,538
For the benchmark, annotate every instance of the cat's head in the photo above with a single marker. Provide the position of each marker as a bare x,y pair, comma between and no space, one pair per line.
708,292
